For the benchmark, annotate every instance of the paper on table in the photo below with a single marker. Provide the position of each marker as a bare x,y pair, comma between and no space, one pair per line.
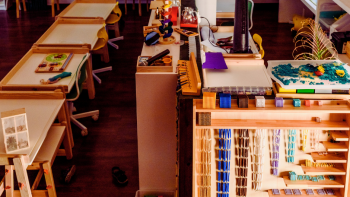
208,44
214,61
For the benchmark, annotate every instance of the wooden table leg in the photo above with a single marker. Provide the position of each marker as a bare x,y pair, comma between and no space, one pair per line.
64,117
50,184
24,5
37,179
147,5
9,180
105,53
140,12
53,8
126,7
90,79
58,4
17,8
116,29
22,176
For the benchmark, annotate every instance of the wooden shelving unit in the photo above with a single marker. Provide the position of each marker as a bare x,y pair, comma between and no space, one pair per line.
335,116
339,135
335,147
345,4
338,183
276,124
329,106
337,170
329,158
327,22
303,194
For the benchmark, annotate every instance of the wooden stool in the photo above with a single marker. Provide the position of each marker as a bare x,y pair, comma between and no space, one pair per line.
53,6
43,162
17,6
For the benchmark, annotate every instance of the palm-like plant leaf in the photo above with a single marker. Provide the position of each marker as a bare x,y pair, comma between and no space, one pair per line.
313,44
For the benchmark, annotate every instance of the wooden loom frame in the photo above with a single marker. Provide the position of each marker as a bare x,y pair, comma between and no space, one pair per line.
335,115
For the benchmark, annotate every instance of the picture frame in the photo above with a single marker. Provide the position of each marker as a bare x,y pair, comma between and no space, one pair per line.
15,130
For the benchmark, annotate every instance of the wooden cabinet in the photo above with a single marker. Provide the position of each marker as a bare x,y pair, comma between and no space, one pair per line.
335,124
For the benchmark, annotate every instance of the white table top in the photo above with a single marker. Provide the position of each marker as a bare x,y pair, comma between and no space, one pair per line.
74,34
41,113
27,75
90,10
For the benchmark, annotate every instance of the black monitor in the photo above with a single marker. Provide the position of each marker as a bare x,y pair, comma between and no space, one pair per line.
241,28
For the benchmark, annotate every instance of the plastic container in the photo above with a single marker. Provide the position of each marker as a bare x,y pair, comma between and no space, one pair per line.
226,90
254,90
205,90
233,90
247,90
212,89
240,90
219,89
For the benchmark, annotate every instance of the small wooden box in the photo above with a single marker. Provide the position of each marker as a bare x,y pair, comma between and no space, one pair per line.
158,66
204,118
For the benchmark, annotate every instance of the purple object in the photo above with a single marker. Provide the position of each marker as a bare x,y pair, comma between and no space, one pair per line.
275,172
214,61
276,192
279,102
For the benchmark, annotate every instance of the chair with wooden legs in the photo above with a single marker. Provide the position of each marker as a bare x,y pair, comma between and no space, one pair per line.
74,95
18,6
113,23
53,6
43,162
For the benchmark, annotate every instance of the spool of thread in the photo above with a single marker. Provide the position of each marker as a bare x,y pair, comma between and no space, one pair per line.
167,61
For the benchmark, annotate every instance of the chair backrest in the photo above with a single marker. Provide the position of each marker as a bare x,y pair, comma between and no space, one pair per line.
250,13
117,11
257,38
101,34
80,77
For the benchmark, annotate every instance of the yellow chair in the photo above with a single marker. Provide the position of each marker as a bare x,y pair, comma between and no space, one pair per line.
113,23
257,38
101,48
53,6
114,18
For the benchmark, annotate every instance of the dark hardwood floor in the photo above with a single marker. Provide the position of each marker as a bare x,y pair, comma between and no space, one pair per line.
112,140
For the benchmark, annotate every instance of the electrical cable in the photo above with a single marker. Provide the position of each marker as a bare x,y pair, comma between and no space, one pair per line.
213,35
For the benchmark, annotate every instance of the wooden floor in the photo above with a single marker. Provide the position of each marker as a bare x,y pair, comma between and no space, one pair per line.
112,140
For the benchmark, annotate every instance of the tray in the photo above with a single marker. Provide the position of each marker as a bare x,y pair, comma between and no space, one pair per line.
155,67
298,85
